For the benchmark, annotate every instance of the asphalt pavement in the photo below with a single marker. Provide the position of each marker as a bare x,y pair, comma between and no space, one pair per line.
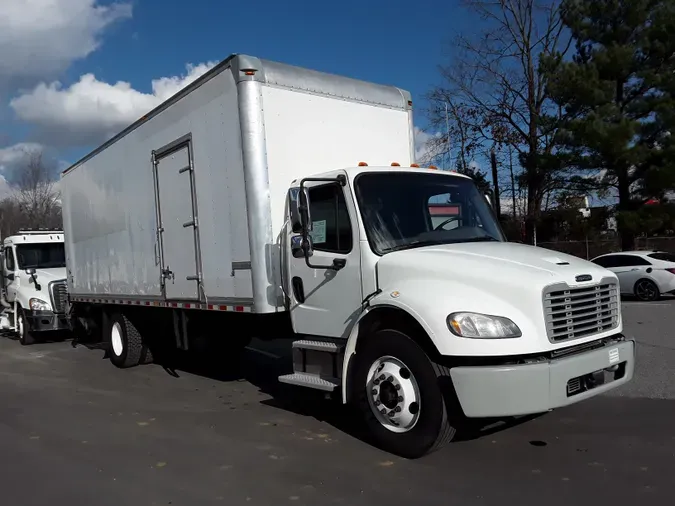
76,431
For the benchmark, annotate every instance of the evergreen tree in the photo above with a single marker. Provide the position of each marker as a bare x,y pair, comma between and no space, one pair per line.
478,176
617,101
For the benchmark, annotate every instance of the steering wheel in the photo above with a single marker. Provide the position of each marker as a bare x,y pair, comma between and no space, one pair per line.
440,226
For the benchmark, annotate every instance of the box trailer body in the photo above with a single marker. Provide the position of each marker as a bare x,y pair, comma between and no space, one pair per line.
240,208
214,228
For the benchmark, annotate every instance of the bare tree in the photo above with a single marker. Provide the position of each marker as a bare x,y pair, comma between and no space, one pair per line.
34,201
495,80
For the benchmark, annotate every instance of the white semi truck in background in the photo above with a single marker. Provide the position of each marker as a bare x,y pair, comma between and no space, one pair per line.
266,200
34,293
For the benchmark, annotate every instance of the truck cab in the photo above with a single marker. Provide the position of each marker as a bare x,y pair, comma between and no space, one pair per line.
431,311
34,293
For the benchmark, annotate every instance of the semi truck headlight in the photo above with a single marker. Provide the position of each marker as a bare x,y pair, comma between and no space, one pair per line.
482,326
39,305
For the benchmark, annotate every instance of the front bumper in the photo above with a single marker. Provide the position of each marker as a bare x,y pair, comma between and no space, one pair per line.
514,390
41,321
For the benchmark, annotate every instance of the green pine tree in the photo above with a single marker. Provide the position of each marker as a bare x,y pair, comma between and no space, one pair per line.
478,176
616,99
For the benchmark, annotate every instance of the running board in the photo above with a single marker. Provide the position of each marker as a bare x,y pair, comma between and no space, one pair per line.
316,364
310,381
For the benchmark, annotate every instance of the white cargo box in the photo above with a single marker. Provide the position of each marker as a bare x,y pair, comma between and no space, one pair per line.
187,204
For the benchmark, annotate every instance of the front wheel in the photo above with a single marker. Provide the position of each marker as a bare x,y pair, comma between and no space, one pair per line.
26,337
398,391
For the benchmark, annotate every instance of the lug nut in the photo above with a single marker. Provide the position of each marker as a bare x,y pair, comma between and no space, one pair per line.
391,379
383,411
376,382
398,387
400,398
377,403
398,409
374,391
382,377
392,413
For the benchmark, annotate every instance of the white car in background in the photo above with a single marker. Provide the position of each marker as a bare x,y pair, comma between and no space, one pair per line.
645,274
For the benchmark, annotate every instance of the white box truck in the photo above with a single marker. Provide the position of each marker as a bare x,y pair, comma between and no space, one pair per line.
266,197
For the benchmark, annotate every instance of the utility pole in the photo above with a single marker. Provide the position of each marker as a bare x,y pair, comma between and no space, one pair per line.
495,181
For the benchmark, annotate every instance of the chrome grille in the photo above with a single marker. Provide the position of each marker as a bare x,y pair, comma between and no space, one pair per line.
573,313
59,293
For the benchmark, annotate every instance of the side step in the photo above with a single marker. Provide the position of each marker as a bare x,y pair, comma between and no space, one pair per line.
310,380
316,364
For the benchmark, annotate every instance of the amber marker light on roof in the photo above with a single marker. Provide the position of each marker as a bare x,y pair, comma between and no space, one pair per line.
433,167
414,166
395,164
363,164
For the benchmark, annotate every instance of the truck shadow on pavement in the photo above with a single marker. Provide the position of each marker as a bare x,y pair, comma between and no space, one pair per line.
262,370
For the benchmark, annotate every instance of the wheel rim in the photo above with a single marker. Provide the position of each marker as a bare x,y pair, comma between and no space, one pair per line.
20,325
646,290
393,394
116,339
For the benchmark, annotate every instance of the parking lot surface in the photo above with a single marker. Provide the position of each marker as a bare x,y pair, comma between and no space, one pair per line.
74,430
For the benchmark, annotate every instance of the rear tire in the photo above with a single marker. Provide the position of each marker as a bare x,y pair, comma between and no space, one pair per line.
415,419
125,342
646,290
26,337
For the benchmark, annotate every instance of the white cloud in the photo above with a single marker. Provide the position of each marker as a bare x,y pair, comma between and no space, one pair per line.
90,111
39,38
425,150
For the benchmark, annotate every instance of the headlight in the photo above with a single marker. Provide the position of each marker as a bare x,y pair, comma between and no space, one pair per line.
482,326
39,305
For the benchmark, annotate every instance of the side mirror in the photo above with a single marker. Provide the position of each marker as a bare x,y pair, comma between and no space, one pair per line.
489,196
300,249
299,210
30,271
10,276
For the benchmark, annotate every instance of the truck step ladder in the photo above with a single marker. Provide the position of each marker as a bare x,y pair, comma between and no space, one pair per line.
316,364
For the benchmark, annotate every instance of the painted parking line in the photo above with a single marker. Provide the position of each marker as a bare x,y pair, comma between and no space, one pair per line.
263,352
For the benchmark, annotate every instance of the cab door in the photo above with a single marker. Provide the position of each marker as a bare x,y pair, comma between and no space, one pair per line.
325,301
10,280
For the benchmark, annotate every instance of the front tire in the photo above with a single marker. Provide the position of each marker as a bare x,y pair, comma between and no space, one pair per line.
26,337
398,392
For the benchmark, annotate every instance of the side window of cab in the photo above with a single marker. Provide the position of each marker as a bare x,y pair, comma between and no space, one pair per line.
331,225
9,259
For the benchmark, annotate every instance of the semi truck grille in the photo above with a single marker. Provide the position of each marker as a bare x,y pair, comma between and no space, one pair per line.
59,296
573,313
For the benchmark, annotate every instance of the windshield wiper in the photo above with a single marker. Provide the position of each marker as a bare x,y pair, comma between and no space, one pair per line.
410,245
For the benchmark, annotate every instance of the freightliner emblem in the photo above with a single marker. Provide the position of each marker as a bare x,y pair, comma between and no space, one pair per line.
583,277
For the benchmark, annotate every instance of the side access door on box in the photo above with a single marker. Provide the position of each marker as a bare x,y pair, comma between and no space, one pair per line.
177,227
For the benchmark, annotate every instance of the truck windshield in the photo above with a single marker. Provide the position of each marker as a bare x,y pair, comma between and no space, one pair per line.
41,255
407,210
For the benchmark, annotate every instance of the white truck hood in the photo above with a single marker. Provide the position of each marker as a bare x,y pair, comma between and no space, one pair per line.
46,276
499,262
496,278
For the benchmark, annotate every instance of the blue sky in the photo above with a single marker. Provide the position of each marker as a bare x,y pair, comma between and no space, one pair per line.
138,41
